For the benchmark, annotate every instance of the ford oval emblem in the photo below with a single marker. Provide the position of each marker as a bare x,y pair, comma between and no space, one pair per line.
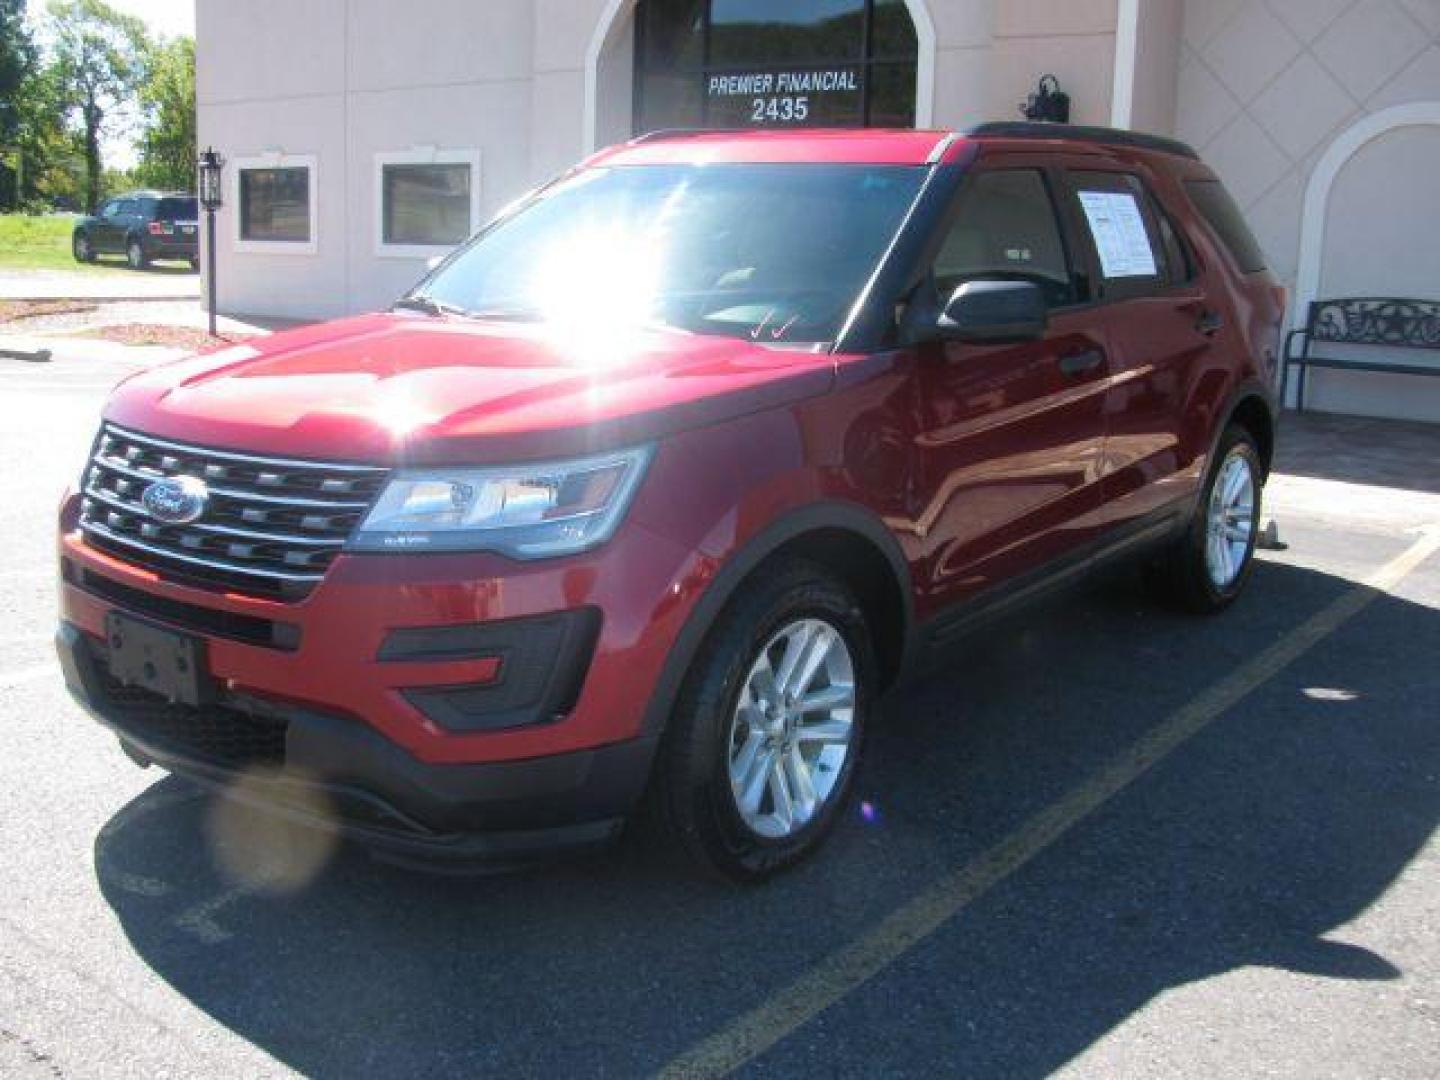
176,500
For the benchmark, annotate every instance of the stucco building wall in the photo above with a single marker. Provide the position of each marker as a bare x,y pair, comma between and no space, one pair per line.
1267,89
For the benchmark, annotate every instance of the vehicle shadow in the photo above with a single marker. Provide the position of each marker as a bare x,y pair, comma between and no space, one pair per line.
1284,820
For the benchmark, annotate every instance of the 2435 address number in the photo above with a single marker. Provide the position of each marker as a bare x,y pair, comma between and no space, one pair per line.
780,109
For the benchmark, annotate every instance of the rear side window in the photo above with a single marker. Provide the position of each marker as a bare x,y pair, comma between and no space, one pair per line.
1224,216
1005,227
1124,232
176,210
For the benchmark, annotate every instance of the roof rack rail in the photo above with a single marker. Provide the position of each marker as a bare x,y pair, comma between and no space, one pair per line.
1022,129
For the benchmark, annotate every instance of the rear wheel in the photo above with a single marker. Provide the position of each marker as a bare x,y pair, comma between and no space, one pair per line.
135,255
760,755
82,250
1209,567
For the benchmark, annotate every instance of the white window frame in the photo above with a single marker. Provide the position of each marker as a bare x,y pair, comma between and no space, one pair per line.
277,161
423,155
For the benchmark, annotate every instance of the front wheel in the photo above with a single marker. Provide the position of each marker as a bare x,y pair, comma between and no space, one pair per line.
82,250
1209,567
760,755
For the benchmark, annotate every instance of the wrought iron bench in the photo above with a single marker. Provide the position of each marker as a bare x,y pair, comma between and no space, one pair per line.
1390,323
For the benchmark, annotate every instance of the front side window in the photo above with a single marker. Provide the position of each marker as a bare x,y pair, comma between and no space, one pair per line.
426,202
275,203
772,253
1004,227
758,63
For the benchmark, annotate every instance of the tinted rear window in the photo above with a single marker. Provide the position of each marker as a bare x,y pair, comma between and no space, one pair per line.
176,210
1224,216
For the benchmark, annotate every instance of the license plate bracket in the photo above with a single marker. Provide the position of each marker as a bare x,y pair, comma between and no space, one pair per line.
158,659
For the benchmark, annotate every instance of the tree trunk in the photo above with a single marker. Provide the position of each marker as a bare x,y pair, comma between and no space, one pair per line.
93,116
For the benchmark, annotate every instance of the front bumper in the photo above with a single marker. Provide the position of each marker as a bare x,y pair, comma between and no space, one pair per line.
334,773
335,652
387,698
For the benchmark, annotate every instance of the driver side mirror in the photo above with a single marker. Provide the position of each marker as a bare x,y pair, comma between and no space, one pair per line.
994,312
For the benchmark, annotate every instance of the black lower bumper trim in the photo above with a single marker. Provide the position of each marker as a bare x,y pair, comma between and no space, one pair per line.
338,774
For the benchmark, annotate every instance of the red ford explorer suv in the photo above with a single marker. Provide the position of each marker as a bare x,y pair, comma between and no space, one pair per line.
648,493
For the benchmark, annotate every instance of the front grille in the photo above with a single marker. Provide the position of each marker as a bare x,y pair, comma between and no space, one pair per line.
215,734
271,526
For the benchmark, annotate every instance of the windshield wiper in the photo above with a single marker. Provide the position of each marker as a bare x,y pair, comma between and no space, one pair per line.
428,304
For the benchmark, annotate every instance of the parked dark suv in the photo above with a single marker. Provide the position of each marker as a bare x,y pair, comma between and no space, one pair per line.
143,226
652,489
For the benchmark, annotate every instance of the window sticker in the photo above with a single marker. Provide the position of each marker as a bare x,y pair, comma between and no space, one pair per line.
1119,232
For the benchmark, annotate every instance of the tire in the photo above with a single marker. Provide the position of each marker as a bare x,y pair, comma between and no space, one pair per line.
716,723
81,248
1193,575
194,261
135,255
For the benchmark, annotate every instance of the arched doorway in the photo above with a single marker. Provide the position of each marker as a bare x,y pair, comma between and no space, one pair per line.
1368,229
656,64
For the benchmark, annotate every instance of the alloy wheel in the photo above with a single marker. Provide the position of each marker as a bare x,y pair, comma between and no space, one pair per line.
791,731
1230,521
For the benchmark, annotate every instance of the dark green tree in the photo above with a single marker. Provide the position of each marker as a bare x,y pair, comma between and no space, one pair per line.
53,170
167,147
100,58
17,64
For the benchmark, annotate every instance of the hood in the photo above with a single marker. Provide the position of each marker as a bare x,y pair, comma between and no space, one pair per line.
401,388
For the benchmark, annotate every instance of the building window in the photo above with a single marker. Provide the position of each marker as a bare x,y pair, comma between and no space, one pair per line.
274,200
755,63
426,201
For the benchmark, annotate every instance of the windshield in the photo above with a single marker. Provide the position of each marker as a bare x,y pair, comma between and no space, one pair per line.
772,253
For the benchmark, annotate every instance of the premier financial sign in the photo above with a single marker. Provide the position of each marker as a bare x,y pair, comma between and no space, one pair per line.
782,82
784,96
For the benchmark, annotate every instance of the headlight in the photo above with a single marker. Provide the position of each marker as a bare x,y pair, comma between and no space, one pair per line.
527,511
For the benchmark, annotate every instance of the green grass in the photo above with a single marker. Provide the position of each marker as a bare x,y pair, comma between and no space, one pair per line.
43,243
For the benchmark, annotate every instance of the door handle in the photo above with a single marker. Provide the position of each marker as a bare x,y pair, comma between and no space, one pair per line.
1209,323
1081,361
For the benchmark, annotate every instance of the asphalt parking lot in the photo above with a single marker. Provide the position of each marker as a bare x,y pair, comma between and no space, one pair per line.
1109,842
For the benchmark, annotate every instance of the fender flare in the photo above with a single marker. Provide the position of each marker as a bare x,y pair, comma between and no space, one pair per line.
1244,391
843,516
